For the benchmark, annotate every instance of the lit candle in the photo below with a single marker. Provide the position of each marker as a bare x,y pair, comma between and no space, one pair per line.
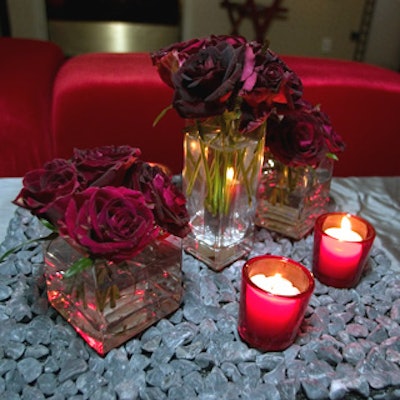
230,174
275,284
274,296
231,188
340,250
344,233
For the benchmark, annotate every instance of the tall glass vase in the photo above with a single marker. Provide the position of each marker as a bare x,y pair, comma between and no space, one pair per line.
220,178
109,303
290,199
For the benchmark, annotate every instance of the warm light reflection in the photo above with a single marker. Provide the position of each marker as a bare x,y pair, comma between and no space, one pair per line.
194,146
275,284
230,173
346,224
345,232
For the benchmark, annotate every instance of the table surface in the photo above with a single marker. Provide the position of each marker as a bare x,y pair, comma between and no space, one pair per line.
9,188
348,347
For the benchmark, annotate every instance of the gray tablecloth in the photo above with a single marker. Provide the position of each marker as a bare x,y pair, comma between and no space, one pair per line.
376,199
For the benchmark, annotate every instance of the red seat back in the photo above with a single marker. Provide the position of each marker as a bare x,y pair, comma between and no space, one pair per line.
103,99
363,102
27,71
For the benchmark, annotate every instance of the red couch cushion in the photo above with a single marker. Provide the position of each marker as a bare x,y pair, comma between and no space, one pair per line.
27,71
102,99
363,102
114,98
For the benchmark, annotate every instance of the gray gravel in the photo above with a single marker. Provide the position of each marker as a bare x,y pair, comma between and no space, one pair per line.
348,347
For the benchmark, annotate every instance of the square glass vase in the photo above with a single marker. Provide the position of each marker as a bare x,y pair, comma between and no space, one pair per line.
108,303
290,199
220,179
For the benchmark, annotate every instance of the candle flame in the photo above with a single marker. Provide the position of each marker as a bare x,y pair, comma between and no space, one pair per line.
346,224
230,173
345,232
193,146
275,284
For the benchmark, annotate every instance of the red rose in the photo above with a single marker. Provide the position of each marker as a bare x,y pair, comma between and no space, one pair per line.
207,80
272,81
226,73
169,59
297,139
235,41
333,140
46,190
110,223
168,203
105,165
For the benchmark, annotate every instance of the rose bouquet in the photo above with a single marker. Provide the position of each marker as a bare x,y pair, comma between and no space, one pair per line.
301,146
226,87
302,136
106,203
246,83
237,96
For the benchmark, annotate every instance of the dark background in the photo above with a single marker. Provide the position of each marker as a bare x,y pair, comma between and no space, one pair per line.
146,11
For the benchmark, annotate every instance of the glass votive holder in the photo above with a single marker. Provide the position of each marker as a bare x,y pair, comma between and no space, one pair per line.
274,296
342,243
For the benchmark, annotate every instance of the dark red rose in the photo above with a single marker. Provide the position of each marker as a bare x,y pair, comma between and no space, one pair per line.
110,223
333,140
207,80
296,139
169,59
252,117
105,165
168,203
272,81
233,40
46,190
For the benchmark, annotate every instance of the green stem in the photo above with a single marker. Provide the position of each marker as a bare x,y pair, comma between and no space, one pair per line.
78,267
194,174
51,236
220,150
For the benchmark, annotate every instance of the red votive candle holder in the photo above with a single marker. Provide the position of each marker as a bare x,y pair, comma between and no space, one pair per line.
342,243
274,295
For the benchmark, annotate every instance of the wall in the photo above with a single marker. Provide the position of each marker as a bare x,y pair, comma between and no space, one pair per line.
312,27
27,18
320,28
384,38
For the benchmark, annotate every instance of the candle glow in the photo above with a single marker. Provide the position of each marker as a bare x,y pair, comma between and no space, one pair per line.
275,284
344,233
341,245
274,296
230,173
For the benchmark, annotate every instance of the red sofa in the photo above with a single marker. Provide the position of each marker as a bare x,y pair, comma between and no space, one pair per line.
27,72
49,105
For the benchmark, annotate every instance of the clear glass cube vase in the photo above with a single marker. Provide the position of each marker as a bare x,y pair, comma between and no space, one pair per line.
108,303
221,173
290,199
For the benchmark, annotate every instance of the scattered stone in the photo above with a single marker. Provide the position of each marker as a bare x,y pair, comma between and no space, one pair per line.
353,353
5,292
348,346
30,369
315,389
